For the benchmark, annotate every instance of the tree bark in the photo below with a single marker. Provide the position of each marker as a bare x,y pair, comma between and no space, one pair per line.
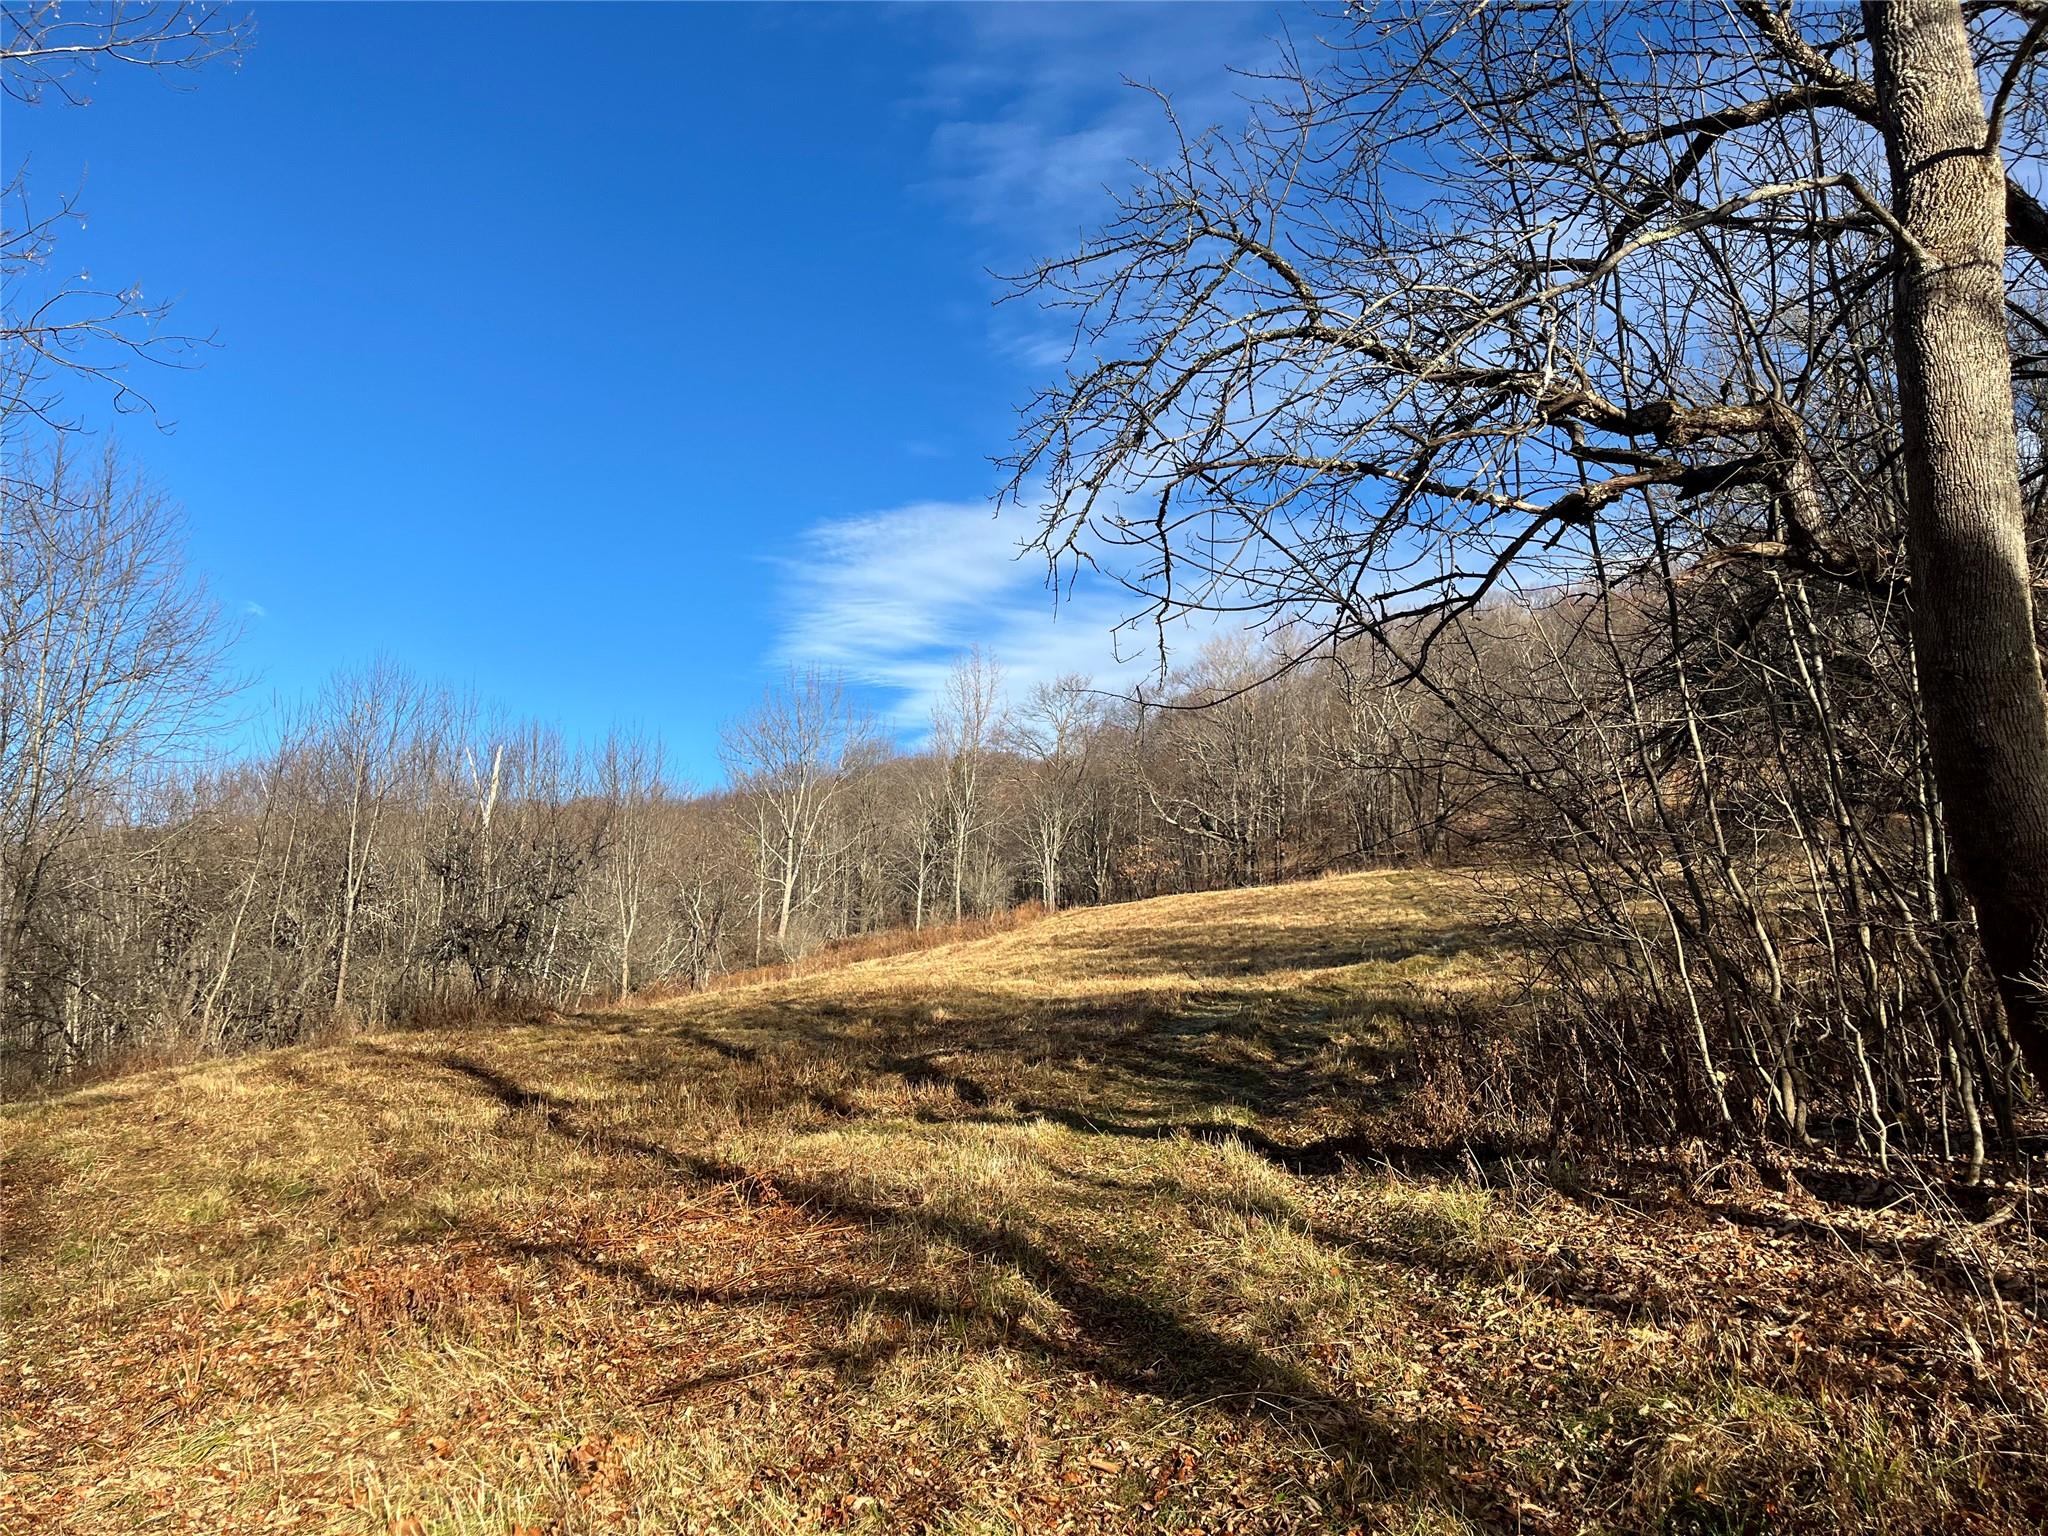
1973,620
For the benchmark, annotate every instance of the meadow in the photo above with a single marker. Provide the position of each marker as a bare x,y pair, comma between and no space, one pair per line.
1153,1217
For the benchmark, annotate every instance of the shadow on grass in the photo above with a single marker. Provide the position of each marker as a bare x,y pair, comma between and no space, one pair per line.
1135,1065
1221,944
1110,1331
1321,1156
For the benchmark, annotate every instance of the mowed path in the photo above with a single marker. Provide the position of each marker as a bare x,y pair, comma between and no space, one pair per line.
1127,1220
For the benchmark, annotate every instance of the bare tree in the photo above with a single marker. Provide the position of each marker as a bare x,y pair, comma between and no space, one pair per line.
630,782
52,49
699,870
370,725
1230,763
1966,535
1438,320
790,760
109,657
1053,732
966,721
63,325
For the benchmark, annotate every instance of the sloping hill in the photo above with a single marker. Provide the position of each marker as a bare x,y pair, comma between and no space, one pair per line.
1113,1222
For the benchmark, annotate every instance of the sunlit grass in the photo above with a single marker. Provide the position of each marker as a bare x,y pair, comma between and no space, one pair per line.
1079,1225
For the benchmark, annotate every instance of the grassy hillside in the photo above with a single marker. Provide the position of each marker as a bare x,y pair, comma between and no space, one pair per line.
1126,1220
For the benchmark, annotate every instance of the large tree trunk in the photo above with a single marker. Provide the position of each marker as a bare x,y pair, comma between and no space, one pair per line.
1973,620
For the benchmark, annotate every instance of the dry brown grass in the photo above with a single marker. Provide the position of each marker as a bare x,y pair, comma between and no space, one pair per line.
840,953
1114,1222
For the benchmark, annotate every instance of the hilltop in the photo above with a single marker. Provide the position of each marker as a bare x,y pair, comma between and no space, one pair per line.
1131,1219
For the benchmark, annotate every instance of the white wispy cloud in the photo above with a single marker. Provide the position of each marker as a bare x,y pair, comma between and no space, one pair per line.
892,598
1038,108
867,591
1039,112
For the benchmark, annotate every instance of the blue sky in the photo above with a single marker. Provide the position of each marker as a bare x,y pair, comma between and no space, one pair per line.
606,359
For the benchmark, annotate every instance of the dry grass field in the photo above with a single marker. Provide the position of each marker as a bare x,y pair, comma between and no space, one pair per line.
1126,1220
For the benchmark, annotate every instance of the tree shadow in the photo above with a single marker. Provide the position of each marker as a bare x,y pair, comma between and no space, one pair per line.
1224,944
1110,1332
1089,1062
704,1039
1322,1156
